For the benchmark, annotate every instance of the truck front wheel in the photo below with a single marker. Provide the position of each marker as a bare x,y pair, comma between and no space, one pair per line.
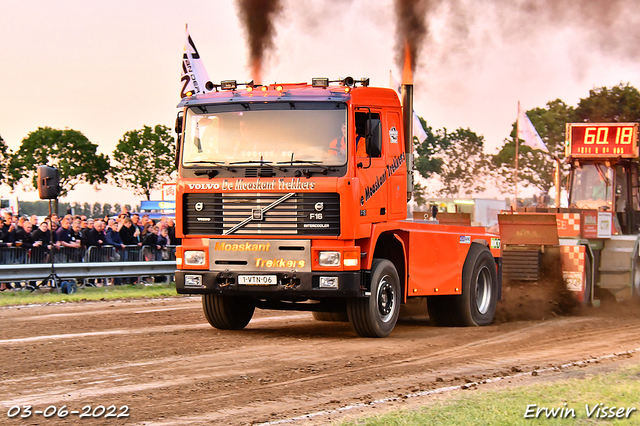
376,316
227,312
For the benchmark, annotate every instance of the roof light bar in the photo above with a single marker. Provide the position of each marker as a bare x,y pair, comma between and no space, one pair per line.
323,82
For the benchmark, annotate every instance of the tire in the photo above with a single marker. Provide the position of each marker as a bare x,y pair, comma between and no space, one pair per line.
376,315
227,312
476,306
635,282
588,283
331,316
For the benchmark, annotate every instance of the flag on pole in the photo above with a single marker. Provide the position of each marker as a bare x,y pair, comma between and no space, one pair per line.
194,76
528,133
418,130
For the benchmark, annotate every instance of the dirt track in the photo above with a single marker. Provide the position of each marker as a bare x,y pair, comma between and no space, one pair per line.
164,361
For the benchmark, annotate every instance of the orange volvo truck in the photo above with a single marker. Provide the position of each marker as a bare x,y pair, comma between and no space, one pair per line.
294,197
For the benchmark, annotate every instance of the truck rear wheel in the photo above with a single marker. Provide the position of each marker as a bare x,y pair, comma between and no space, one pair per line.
376,316
227,312
476,306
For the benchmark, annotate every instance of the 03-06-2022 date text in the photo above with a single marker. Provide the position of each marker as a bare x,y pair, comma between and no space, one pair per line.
88,411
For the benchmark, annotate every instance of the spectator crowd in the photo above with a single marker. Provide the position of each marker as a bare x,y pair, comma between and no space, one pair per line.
80,239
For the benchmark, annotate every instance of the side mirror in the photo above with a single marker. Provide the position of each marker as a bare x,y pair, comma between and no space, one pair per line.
178,125
178,129
373,136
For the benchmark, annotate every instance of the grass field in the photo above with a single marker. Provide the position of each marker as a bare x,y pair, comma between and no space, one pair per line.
566,398
14,297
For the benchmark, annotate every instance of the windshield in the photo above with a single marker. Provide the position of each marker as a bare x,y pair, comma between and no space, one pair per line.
269,132
591,187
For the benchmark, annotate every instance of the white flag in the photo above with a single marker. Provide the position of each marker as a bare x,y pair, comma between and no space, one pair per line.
194,76
418,130
528,133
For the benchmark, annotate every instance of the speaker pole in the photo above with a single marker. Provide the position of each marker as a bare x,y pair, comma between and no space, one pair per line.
52,278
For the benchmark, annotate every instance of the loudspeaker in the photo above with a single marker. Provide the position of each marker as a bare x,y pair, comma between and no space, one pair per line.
48,183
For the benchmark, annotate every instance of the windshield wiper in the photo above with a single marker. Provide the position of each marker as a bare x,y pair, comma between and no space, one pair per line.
261,162
311,163
210,172
603,176
204,162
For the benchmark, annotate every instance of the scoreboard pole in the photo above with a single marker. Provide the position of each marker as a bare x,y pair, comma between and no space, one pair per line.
515,204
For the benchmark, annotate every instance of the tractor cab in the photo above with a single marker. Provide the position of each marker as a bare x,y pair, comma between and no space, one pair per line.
604,172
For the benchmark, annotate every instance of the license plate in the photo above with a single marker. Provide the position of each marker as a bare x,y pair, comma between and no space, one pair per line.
258,279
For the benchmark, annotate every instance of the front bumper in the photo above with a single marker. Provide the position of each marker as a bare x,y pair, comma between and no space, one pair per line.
301,285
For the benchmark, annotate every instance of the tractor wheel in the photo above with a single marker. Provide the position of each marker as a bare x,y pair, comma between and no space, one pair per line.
588,282
635,283
227,312
331,316
440,310
376,315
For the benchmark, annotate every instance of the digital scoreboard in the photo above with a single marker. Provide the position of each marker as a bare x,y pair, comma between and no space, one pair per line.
602,140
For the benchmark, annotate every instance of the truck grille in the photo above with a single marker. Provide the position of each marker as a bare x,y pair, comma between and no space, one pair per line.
301,214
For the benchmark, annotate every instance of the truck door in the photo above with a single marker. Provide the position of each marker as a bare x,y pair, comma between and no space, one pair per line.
396,166
371,166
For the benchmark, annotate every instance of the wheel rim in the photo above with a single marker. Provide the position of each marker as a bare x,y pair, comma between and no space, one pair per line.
386,298
483,290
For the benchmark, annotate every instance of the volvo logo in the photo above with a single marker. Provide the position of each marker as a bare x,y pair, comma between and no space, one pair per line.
319,206
199,207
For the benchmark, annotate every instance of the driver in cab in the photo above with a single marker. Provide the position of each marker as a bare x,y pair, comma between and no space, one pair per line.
338,145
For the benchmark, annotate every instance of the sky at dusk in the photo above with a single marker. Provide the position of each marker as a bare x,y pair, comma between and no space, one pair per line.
104,68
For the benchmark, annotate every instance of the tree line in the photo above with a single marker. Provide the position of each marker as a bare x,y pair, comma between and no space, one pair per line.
144,159
458,159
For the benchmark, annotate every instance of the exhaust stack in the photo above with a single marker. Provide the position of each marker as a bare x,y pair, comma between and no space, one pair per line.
407,118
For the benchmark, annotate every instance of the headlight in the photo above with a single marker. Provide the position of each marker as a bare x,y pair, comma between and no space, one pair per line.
329,258
194,257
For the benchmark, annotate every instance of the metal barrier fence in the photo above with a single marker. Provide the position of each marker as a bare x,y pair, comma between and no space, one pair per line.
107,253
81,271
87,267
